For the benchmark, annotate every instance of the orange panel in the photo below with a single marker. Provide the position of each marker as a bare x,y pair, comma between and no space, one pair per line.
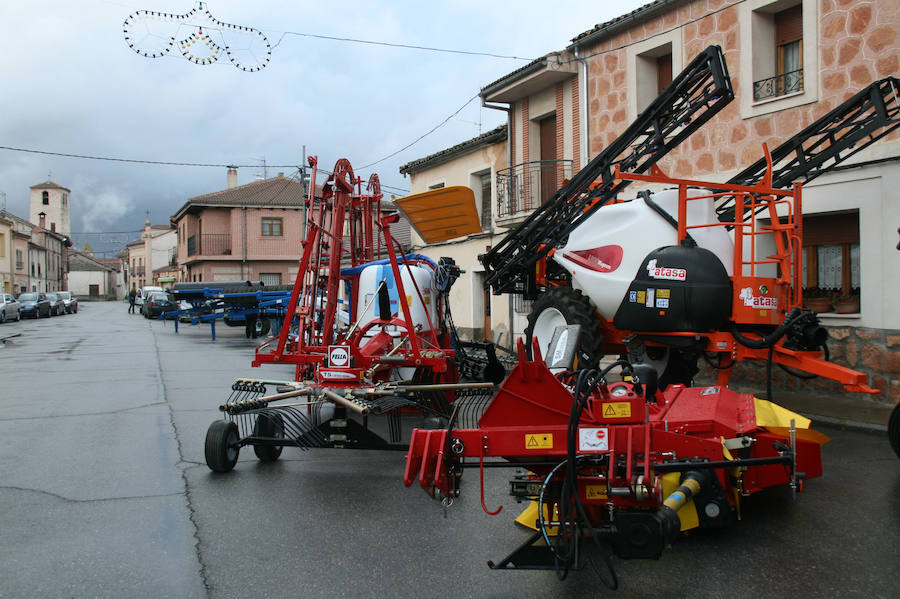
442,214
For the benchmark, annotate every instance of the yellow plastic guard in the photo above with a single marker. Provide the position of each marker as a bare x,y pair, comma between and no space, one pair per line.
528,518
769,414
441,214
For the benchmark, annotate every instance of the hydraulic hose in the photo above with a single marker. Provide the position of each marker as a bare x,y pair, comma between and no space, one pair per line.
774,336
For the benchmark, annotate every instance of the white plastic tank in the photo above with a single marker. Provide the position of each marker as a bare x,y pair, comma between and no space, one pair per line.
604,253
421,309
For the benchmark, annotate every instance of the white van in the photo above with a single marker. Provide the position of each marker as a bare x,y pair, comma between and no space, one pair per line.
143,292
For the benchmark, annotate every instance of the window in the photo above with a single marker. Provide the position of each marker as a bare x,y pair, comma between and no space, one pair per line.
777,35
649,66
654,74
436,185
270,279
787,78
65,198
45,198
271,227
486,201
831,254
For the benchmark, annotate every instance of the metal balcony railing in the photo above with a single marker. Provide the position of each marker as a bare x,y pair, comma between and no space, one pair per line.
779,85
523,187
211,244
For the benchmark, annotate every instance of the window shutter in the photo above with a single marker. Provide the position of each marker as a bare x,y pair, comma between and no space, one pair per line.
789,25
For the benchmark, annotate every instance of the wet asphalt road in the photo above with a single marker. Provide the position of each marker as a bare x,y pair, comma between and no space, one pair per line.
104,492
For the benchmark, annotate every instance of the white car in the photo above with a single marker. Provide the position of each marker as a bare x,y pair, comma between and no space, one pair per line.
9,308
143,292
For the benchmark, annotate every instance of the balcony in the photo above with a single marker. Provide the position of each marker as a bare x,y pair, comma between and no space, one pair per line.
779,85
212,244
523,187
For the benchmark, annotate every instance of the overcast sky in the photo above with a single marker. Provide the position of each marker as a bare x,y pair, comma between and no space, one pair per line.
72,85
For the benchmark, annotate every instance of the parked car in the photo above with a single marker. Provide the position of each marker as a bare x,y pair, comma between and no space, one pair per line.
157,303
57,307
9,308
34,304
143,292
69,301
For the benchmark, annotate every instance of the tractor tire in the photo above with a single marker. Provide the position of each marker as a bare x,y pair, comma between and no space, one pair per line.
222,447
564,306
268,426
894,429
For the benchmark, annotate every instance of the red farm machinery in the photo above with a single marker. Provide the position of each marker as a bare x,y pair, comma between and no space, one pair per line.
625,454
366,331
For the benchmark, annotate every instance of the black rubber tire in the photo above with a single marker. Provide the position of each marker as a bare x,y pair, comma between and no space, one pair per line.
268,426
222,446
894,429
2,317
75,309
264,326
680,370
576,308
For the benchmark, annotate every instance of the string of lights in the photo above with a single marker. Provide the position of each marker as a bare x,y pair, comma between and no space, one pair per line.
153,34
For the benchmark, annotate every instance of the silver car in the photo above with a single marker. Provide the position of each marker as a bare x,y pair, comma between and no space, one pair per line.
9,308
69,301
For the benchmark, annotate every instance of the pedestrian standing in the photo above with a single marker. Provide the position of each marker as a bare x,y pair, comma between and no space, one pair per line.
132,295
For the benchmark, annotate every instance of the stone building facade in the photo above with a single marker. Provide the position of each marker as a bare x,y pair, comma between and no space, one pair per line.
791,62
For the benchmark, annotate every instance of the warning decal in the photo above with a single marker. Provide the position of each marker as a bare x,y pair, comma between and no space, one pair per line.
539,441
617,409
595,491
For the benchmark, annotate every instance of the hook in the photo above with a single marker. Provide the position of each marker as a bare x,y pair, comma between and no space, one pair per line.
481,473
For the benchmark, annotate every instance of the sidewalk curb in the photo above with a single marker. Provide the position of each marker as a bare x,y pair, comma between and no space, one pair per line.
868,427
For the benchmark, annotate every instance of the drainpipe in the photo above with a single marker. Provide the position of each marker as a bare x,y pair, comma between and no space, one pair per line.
509,161
583,128
243,240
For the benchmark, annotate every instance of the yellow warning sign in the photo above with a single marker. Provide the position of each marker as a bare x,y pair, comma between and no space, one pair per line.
595,491
664,293
617,409
539,441
641,297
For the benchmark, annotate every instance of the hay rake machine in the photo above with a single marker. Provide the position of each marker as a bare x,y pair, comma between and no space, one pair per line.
621,465
366,331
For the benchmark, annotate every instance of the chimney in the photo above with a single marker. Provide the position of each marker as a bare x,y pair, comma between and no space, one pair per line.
42,216
232,177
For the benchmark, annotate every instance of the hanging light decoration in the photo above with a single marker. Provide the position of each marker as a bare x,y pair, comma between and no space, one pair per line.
153,34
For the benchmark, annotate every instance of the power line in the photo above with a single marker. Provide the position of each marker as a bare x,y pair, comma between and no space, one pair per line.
395,45
139,161
421,137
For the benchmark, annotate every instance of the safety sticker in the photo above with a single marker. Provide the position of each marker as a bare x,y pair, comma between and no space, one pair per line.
666,293
641,295
632,296
595,491
617,409
650,297
539,441
593,440
662,302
